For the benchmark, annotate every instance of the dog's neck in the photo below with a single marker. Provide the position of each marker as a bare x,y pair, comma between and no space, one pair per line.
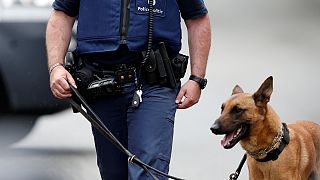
263,134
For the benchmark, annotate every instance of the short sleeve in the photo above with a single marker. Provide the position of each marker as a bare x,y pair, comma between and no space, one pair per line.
70,7
192,8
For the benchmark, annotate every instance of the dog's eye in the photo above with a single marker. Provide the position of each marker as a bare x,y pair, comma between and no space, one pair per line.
236,110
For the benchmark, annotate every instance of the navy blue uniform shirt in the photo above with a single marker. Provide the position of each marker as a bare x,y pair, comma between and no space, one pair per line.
188,8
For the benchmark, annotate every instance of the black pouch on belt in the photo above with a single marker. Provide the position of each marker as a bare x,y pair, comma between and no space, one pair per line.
154,68
179,65
171,79
150,66
159,69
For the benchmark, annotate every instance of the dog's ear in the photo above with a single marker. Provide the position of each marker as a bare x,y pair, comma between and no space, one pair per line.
262,96
237,89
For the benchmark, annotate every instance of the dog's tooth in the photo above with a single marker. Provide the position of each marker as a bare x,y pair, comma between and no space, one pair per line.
239,130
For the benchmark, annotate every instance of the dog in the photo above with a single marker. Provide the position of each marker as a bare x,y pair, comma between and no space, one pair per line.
275,151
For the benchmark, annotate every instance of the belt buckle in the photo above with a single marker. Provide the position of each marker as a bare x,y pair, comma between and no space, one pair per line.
126,75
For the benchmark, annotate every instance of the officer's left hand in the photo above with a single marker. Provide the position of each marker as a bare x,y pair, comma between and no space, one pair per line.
189,95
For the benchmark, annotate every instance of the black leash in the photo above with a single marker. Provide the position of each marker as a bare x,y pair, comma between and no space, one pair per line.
235,175
96,122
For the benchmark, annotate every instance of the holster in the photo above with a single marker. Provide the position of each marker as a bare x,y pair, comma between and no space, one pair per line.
159,69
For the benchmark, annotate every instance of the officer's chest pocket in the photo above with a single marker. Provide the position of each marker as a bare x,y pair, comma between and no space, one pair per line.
159,7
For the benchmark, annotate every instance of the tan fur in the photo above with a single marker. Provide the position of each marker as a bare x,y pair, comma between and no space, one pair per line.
300,160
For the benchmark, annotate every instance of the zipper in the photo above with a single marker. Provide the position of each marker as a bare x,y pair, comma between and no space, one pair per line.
124,21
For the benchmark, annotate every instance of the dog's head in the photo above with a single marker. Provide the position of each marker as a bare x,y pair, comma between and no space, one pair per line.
241,112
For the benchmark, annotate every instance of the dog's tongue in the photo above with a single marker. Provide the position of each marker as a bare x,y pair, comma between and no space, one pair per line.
227,138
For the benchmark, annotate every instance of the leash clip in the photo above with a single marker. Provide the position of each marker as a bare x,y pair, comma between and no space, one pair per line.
234,176
130,159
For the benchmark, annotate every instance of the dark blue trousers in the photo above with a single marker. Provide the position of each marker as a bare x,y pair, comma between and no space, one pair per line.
146,131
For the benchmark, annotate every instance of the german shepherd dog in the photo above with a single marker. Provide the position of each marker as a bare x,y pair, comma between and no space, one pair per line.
275,151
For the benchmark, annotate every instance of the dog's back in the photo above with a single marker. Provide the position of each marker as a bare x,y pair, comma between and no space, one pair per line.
309,129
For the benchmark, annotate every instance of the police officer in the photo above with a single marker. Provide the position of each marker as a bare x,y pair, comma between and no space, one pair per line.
113,32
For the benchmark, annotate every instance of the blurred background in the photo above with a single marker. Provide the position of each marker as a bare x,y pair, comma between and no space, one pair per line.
41,139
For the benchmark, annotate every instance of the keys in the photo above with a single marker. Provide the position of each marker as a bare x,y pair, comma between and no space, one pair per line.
139,92
137,98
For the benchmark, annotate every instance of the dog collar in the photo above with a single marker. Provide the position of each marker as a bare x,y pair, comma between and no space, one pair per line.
274,150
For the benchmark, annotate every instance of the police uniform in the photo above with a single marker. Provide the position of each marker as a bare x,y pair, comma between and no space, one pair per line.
113,32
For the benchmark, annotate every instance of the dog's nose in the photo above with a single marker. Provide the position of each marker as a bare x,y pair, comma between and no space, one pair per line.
216,128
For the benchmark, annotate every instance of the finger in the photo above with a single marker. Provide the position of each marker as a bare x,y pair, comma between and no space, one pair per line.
71,80
59,90
59,95
64,84
188,102
57,87
185,104
180,95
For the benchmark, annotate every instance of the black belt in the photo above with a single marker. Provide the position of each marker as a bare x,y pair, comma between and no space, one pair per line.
110,67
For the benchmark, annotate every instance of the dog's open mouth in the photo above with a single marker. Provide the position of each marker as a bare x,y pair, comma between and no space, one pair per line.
231,139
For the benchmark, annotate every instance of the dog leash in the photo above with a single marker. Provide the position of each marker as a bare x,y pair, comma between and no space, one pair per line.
235,175
96,122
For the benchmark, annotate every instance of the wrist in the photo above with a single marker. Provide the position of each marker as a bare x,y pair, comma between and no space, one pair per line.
202,82
54,66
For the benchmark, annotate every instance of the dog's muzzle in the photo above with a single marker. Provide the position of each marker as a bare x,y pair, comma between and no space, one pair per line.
216,128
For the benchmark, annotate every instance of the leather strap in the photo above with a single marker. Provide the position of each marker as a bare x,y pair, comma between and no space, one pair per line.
274,154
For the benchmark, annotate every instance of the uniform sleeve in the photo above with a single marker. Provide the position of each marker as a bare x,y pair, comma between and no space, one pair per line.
70,7
192,8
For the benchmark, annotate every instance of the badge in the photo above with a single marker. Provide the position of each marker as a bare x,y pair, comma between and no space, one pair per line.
159,7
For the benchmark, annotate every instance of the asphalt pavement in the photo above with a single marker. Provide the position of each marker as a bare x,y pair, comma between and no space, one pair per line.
251,41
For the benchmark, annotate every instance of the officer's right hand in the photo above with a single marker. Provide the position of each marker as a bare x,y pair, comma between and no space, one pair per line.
59,82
